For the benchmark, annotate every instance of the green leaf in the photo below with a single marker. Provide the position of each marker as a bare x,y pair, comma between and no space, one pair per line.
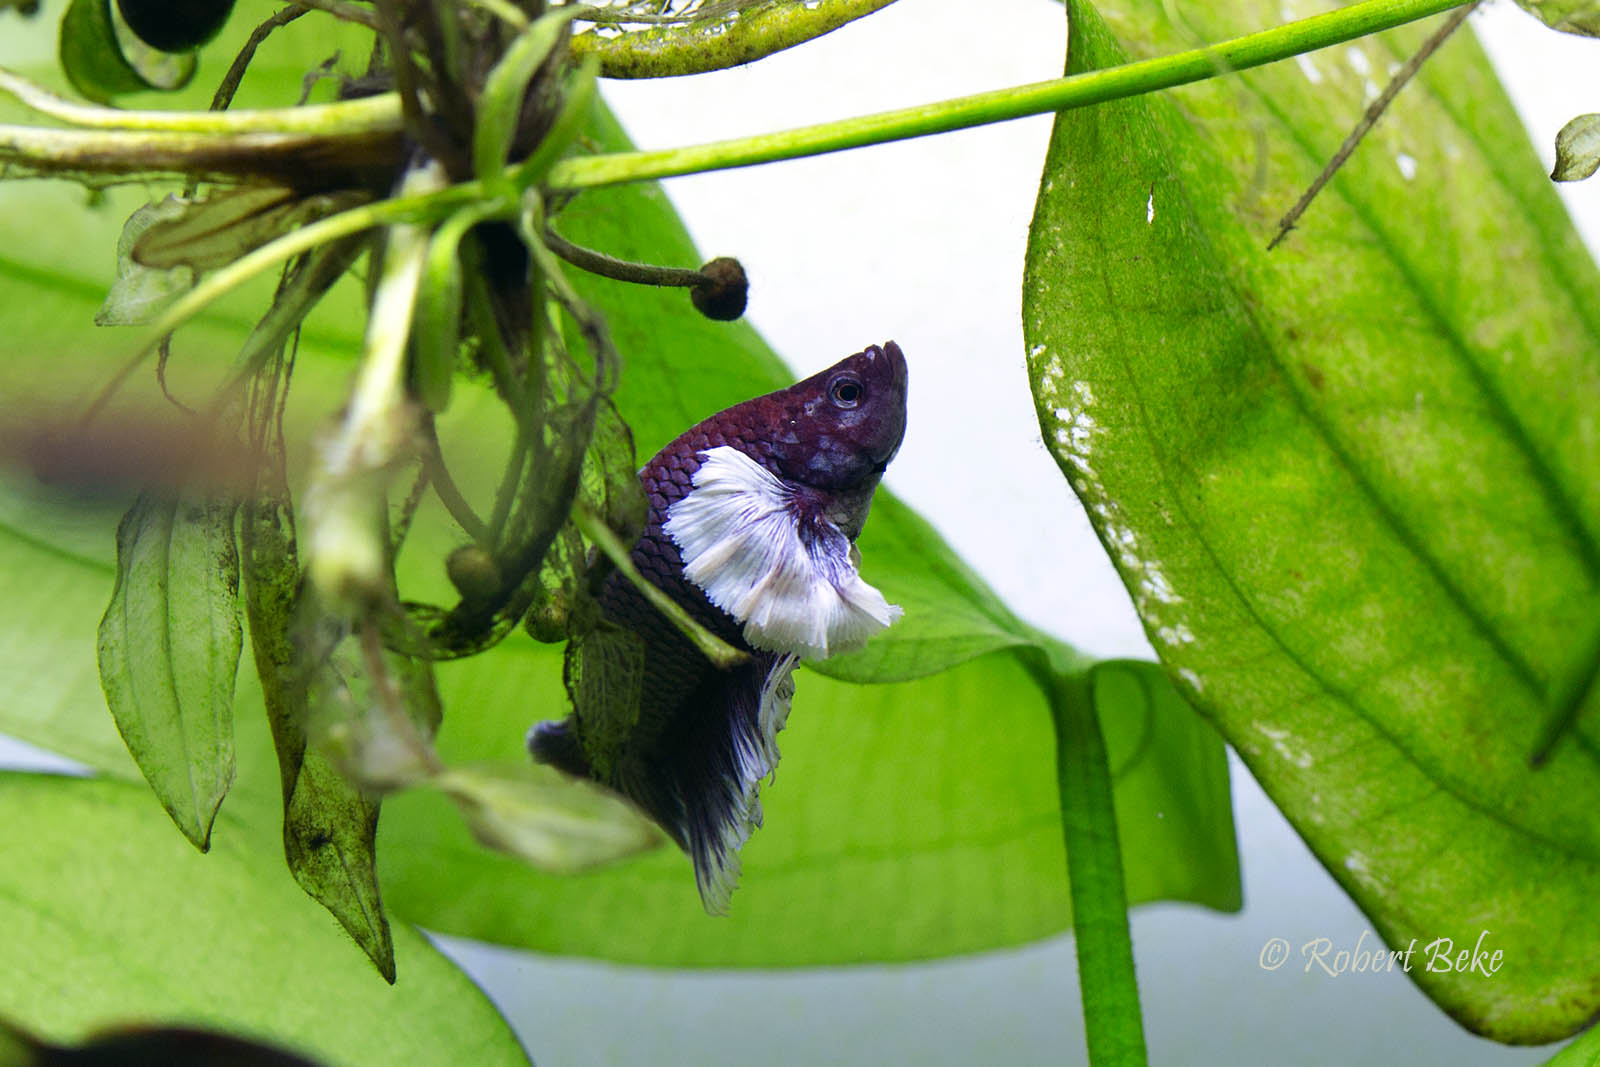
329,824
1569,16
1350,483
57,564
886,838
1577,149
539,815
142,292
100,897
169,650
103,59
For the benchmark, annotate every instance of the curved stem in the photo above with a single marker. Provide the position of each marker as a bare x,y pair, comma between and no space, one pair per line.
1060,94
622,270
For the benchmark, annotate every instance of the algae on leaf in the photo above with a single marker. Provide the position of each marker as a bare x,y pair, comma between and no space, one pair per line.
1350,483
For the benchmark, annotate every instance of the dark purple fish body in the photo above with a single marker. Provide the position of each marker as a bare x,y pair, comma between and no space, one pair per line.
753,517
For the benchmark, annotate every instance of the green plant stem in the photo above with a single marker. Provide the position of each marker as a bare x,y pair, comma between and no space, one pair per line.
345,532
366,115
305,286
450,494
694,45
1060,94
1113,1025
622,270
719,652
173,144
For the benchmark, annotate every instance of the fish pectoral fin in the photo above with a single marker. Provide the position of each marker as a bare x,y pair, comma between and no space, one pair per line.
739,533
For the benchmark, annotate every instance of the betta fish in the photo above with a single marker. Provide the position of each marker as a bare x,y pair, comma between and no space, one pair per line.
753,518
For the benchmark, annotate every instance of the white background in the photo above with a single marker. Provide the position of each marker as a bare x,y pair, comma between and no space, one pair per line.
923,242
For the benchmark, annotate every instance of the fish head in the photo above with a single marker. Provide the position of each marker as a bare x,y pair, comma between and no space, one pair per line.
838,429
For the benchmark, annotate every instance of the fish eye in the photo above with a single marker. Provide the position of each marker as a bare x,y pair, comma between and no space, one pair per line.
846,392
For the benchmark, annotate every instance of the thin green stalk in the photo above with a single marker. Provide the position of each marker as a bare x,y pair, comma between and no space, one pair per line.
1113,1023
622,270
529,417
345,528
450,494
1060,94
320,270
366,115
719,652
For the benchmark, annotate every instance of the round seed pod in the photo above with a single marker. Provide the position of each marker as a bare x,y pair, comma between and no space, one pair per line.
175,25
473,572
723,295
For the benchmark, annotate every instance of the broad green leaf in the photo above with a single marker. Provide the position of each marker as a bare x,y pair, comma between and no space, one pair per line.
886,837
1351,483
1577,149
169,650
57,567
112,919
